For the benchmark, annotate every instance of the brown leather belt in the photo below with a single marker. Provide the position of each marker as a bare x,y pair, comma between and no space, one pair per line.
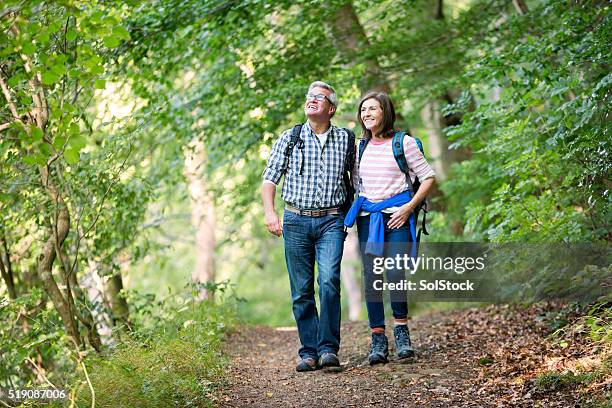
313,213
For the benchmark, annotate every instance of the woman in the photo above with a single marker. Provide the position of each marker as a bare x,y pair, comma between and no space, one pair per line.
385,219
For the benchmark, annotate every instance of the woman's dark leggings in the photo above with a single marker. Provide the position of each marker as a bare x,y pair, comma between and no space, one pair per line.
396,242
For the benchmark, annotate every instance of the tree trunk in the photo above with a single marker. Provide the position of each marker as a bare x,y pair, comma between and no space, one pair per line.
351,271
350,39
6,267
202,217
438,143
439,12
119,306
73,294
442,157
47,257
520,6
90,290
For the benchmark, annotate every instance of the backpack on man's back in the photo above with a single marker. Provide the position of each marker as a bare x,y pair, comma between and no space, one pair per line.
349,161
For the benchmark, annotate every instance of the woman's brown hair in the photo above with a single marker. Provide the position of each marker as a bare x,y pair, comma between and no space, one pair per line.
388,111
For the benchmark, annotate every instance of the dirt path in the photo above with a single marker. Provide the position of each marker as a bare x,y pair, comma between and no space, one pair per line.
470,358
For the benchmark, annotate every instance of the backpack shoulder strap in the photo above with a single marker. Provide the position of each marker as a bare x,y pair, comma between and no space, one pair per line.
400,158
362,145
398,151
419,144
295,137
350,150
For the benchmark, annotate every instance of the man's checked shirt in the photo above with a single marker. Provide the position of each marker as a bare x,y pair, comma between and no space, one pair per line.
320,183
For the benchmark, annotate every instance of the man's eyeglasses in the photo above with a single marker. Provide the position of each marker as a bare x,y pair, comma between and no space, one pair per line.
317,97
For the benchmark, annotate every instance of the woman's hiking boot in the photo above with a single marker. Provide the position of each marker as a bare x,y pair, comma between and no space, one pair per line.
379,351
403,346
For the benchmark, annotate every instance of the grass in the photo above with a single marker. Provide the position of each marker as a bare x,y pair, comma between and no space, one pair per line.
178,364
554,380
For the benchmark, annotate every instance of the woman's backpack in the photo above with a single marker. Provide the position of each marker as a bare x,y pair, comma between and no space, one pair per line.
400,158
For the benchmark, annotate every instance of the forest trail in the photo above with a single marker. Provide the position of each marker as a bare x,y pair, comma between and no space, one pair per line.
488,357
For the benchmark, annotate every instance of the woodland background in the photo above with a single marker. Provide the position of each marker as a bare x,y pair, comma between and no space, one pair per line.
133,136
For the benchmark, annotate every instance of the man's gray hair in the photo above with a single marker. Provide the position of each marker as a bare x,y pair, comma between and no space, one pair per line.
320,84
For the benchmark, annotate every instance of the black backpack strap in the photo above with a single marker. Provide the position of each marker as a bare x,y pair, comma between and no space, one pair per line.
349,163
422,228
295,141
363,143
362,146
402,163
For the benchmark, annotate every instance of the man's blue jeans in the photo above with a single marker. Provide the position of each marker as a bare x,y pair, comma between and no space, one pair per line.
395,244
308,239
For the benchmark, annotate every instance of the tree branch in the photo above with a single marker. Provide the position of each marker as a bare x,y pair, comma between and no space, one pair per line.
40,111
520,6
9,100
439,12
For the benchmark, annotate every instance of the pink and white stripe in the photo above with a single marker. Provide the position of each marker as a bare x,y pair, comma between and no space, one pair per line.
380,175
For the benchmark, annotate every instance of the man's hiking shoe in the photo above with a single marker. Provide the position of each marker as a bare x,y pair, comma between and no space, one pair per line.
379,351
329,360
403,346
307,364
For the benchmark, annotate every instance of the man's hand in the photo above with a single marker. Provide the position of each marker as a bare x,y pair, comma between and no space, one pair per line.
400,217
273,223
268,190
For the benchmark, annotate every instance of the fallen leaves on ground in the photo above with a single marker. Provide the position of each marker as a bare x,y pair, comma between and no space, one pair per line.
479,357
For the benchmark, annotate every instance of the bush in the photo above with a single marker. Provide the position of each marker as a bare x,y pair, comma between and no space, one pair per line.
175,360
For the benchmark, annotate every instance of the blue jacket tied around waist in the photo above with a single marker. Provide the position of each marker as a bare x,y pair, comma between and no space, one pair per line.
376,237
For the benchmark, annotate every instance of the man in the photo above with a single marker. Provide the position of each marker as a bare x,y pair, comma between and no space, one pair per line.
312,225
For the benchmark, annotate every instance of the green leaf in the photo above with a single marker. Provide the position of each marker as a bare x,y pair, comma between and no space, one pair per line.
40,159
97,17
54,26
59,142
121,33
43,37
58,69
14,80
77,142
29,160
92,61
28,48
74,129
45,149
72,156
100,84
71,35
49,78
36,133
69,108
97,70
111,41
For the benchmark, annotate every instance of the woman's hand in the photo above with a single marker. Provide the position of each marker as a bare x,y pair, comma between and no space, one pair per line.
400,217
